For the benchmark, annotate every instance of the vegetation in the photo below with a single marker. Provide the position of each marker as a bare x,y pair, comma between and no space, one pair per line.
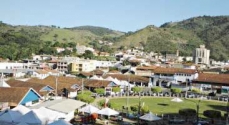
156,89
100,91
183,36
85,96
136,89
212,113
187,112
116,89
176,90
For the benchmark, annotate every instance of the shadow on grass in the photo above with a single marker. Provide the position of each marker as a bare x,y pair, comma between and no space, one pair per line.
163,104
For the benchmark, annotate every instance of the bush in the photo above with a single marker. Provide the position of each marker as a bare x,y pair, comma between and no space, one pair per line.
116,89
156,89
187,112
100,91
144,109
212,113
137,89
134,108
85,98
195,90
87,92
176,90
109,104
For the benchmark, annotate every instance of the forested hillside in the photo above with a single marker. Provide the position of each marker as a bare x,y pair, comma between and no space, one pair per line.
214,31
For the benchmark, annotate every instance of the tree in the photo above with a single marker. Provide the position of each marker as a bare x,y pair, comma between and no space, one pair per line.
176,90
156,89
100,91
116,89
134,108
88,54
136,89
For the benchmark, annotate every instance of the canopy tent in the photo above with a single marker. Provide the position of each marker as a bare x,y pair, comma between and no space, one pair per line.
32,117
50,114
60,122
10,116
22,123
150,117
107,111
177,100
22,109
89,109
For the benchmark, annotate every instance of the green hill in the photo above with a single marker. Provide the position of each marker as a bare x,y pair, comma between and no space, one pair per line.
161,39
214,31
184,36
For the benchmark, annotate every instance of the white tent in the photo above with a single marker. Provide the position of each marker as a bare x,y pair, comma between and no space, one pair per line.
10,116
32,117
107,111
60,122
177,100
50,114
89,109
22,109
150,117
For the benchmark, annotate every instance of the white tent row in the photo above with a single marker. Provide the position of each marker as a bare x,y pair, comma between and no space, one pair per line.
35,116
150,117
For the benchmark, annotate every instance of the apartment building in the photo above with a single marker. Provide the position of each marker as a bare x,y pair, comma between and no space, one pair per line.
82,66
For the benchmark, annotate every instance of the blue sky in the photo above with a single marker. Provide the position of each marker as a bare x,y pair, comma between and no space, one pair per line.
123,15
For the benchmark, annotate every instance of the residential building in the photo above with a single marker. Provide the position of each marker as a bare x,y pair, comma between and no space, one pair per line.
201,55
170,76
82,66
81,49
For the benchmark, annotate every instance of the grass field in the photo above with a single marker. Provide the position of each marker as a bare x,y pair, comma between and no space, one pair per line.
165,105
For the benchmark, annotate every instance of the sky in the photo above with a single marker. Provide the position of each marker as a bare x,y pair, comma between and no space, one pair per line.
122,15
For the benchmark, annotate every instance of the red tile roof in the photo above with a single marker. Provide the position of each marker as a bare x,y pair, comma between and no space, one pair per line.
212,78
174,70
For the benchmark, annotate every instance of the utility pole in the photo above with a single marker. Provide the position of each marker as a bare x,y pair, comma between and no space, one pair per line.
139,108
82,86
127,97
227,108
56,86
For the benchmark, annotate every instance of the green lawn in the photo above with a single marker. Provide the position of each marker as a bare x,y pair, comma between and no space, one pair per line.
157,105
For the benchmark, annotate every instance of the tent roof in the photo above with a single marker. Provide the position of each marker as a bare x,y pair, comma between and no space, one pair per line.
22,109
10,116
107,111
22,123
177,100
89,109
31,117
60,122
150,117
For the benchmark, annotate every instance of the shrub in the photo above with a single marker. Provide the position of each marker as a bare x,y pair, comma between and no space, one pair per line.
116,89
137,89
156,89
187,112
100,91
134,108
85,98
195,90
144,109
87,92
176,90
212,113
